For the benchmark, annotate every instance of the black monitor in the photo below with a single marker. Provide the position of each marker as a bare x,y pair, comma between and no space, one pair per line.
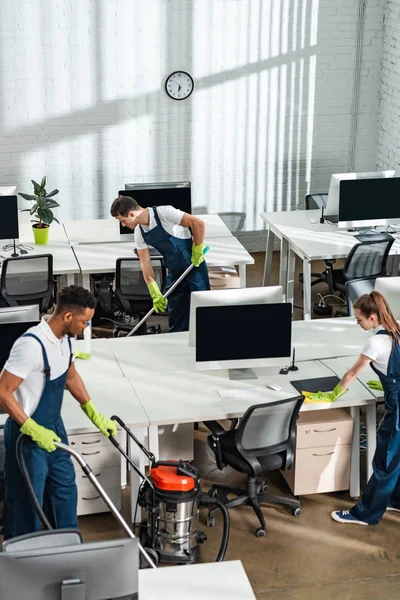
176,195
9,229
242,336
9,333
369,202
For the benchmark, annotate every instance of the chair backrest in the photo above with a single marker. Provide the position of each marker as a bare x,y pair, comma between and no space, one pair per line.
389,287
356,288
367,259
233,220
269,428
26,279
129,280
314,201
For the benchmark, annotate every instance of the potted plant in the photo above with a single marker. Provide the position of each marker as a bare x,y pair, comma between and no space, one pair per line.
42,210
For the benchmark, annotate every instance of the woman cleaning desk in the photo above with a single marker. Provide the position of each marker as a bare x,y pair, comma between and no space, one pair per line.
382,352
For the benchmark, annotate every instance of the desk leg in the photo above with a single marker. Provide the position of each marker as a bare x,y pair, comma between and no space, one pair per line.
371,436
394,268
290,277
268,257
283,267
84,280
355,453
135,480
242,275
153,441
307,289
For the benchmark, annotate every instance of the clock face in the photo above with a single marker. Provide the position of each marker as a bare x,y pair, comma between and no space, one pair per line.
179,85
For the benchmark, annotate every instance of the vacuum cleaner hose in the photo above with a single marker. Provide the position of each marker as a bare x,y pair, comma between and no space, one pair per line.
21,441
208,501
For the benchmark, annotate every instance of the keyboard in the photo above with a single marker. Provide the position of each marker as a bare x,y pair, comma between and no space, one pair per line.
239,392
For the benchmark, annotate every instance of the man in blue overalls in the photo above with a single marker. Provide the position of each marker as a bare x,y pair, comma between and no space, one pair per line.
179,238
32,385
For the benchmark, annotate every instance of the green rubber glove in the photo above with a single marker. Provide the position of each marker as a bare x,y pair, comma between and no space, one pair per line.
318,397
197,254
44,438
82,355
106,426
375,384
159,302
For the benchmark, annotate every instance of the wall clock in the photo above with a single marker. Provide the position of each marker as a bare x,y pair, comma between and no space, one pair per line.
179,85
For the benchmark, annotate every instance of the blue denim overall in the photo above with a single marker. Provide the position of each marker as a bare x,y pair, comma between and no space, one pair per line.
177,254
383,489
52,473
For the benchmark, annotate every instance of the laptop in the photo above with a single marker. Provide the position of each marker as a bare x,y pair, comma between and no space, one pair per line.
317,384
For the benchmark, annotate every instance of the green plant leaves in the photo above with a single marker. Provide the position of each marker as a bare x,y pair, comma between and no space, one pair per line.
27,196
43,204
45,215
53,193
43,182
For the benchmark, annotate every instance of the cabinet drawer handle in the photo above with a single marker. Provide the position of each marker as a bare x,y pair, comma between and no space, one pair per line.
95,474
324,430
94,498
326,454
88,443
90,453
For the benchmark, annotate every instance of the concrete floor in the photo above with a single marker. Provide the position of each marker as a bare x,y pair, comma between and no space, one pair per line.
309,557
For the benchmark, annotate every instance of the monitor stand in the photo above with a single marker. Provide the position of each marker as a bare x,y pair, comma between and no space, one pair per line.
240,374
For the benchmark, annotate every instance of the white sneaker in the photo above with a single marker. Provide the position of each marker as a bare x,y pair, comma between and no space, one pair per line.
393,508
344,516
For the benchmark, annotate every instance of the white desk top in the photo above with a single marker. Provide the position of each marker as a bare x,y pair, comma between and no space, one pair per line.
343,364
56,233
92,231
101,258
171,353
111,397
102,363
314,241
187,397
211,581
64,261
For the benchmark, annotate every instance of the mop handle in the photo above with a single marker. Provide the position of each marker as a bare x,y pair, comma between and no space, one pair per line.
171,289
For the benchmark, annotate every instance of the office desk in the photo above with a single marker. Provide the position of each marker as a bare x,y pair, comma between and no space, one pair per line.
96,231
101,365
310,241
207,581
101,258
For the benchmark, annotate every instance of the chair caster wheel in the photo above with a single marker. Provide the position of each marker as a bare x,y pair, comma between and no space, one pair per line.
212,492
296,512
264,488
260,532
152,554
210,521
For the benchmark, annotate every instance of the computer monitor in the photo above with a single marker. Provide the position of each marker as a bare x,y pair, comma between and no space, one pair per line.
9,333
369,202
332,206
241,336
8,190
92,571
389,287
176,194
9,229
13,314
241,296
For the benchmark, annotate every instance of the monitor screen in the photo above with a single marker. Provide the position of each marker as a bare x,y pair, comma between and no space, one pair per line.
178,197
245,334
9,218
9,333
369,202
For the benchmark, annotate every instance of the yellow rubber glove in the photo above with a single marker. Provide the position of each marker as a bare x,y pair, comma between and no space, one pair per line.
197,254
159,302
44,437
106,426
82,355
375,384
319,397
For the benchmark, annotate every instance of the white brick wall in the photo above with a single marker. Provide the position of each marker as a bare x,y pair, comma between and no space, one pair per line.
389,113
82,98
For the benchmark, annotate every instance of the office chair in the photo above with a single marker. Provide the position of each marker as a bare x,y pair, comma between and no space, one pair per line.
365,262
132,293
312,202
233,220
28,280
264,441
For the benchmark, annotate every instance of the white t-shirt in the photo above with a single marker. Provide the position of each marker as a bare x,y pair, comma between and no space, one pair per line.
378,348
170,219
26,361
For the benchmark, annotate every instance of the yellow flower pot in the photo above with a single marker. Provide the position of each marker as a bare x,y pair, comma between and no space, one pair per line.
41,234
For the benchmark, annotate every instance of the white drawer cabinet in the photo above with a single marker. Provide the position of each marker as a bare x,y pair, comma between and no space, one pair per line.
323,452
105,462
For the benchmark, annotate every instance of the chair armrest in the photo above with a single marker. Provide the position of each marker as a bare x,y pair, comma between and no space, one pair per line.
215,428
216,431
